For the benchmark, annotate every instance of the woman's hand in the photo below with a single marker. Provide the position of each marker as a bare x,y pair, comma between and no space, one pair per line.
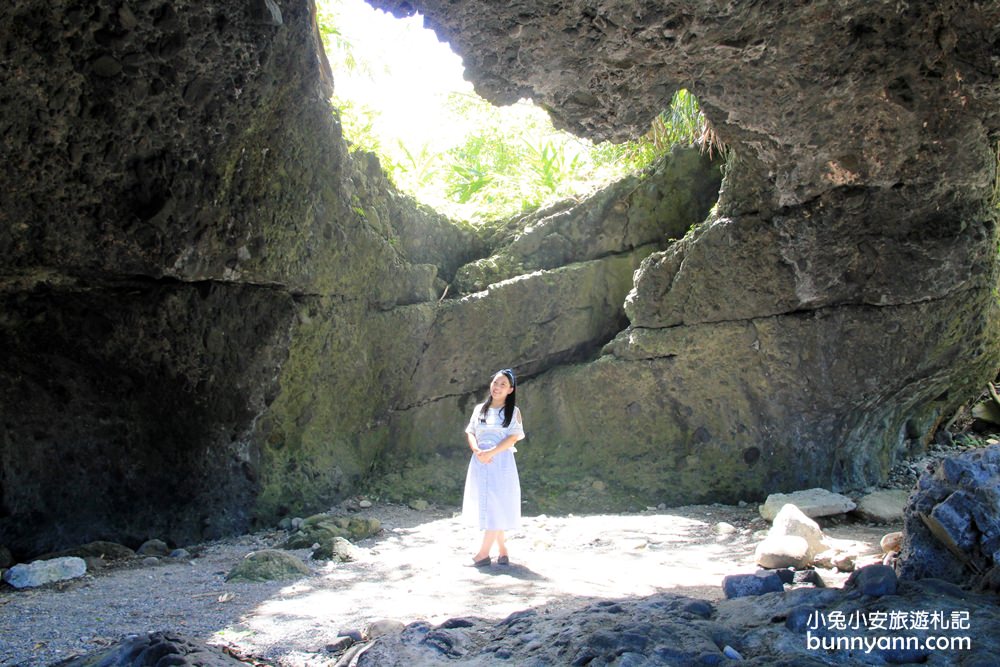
485,456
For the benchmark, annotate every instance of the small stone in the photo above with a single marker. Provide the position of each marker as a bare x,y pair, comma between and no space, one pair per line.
419,504
844,562
149,561
180,554
725,528
352,634
731,653
339,644
891,542
365,504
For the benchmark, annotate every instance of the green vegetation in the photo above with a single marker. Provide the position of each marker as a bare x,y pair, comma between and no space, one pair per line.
497,162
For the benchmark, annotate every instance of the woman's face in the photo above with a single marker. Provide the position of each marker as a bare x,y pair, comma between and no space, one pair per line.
500,388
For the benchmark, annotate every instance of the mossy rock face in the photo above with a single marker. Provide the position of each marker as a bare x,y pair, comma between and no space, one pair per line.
269,565
659,204
323,529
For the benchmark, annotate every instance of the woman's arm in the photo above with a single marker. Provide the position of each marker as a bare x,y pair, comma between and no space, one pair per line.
506,443
473,443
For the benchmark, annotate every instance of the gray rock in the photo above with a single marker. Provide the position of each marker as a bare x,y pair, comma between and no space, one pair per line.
812,502
153,547
339,549
268,565
885,506
780,551
757,583
41,572
792,521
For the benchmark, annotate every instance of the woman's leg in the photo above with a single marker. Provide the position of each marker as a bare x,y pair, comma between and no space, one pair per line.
489,537
501,544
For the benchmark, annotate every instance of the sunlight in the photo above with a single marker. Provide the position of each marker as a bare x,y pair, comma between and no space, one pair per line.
401,95
420,572
398,68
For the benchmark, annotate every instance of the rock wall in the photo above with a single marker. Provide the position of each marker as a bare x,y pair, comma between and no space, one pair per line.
215,315
187,247
838,303
213,312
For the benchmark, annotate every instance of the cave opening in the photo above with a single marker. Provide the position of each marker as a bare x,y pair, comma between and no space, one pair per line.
401,94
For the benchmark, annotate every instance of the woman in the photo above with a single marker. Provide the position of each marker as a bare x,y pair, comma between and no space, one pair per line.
492,489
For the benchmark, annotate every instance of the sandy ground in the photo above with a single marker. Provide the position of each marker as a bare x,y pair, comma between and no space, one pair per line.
417,568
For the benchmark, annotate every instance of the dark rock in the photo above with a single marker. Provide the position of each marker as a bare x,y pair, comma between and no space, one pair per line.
952,525
153,547
701,608
757,583
874,580
157,649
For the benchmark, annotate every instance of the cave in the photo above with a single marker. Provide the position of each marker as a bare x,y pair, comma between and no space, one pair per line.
216,316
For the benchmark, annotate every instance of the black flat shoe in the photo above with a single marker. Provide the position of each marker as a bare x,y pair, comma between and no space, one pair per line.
503,560
485,562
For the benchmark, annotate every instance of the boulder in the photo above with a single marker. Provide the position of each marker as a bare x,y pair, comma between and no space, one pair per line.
153,547
338,549
756,583
811,502
782,551
876,580
41,572
952,525
884,506
791,521
268,565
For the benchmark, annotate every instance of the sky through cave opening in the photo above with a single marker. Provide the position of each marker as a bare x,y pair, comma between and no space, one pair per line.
401,94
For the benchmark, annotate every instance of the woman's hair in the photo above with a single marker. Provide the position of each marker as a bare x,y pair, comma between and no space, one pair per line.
508,406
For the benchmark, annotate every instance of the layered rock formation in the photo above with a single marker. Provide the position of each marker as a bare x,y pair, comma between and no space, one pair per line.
214,314
839,301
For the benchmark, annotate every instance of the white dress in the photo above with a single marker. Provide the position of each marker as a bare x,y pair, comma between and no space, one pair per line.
492,490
